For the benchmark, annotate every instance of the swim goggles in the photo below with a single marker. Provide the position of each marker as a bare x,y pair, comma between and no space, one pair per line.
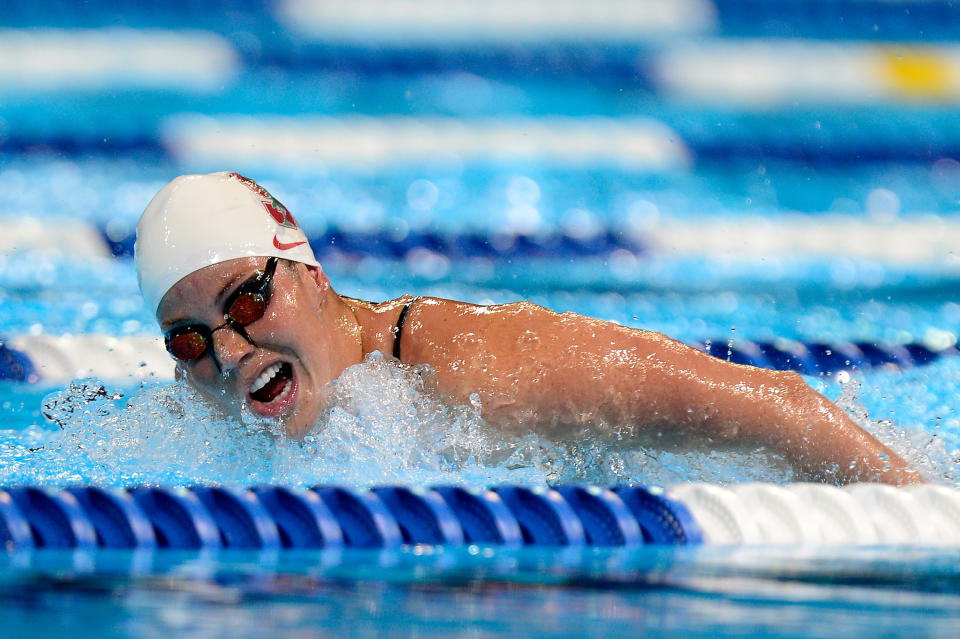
245,305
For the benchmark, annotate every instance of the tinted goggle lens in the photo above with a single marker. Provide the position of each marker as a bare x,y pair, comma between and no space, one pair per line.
247,308
247,305
187,346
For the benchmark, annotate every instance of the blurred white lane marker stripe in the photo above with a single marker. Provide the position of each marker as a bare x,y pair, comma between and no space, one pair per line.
58,235
445,21
638,143
58,358
897,516
723,517
778,71
927,240
54,59
781,516
839,518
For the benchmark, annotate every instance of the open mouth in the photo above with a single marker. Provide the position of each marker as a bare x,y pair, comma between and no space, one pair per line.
272,384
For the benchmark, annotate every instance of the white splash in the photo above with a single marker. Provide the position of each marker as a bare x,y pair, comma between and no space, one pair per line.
384,426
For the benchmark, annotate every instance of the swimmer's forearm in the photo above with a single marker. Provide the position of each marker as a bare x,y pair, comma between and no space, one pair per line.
777,409
532,367
821,440
717,401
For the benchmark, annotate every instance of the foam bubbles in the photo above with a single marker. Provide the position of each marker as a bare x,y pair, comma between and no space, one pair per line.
384,425
927,452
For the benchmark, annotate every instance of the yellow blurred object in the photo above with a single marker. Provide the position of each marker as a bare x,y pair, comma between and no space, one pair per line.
920,73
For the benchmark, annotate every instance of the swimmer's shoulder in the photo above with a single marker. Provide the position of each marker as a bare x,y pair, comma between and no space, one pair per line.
384,324
434,324
438,311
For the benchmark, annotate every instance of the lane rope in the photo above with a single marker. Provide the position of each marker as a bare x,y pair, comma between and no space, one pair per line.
278,517
56,359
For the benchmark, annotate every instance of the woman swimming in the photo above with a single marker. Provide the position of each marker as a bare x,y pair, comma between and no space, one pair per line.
252,320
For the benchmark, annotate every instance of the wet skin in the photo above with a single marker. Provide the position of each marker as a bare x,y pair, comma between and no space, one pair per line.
304,326
532,369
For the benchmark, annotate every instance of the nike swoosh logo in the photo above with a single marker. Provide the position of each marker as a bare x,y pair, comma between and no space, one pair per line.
285,246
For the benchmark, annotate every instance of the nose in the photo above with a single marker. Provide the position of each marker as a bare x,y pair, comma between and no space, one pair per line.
230,346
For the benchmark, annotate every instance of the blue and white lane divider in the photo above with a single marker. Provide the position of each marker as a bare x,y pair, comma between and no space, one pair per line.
448,22
638,143
53,359
61,358
815,358
906,242
277,517
387,245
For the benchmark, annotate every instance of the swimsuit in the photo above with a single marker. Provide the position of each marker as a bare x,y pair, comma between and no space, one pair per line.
398,331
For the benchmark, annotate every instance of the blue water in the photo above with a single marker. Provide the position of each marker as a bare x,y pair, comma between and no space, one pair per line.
780,592
667,592
98,155
659,593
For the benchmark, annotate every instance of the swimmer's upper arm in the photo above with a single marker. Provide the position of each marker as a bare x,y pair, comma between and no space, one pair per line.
530,364
534,368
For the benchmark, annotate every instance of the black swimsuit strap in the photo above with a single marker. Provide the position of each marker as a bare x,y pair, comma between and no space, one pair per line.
398,331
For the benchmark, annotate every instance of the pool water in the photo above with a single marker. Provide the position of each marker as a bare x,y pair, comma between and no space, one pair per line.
719,298
783,592
775,213
666,592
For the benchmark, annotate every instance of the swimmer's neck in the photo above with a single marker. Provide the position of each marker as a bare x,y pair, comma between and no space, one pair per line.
376,322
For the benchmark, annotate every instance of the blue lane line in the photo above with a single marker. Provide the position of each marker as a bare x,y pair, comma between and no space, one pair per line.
302,518
606,519
811,358
905,20
846,137
243,520
116,517
219,517
545,517
810,133
424,517
365,520
662,520
16,365
878,20
455,246
56,518
484,517
822,358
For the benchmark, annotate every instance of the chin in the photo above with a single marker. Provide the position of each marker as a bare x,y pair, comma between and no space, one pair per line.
297,427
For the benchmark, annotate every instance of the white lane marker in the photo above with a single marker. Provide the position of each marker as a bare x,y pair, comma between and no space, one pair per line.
57,235
838,517
780,71
942,504
56,59
924,240
897,516
61,358
780,515
638,143
722,515
508,21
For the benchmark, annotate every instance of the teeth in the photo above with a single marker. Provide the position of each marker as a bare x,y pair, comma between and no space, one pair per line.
264,377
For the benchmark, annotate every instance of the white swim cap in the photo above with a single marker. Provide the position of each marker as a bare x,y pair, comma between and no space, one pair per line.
199,220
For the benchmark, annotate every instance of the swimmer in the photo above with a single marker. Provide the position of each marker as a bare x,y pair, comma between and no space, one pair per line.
251,319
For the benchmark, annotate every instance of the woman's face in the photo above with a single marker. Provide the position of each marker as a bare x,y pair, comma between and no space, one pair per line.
283,371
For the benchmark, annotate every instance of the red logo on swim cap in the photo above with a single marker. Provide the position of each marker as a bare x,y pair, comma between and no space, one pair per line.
286,246
277,211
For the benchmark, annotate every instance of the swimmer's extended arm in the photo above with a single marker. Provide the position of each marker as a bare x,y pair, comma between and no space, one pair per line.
531,366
